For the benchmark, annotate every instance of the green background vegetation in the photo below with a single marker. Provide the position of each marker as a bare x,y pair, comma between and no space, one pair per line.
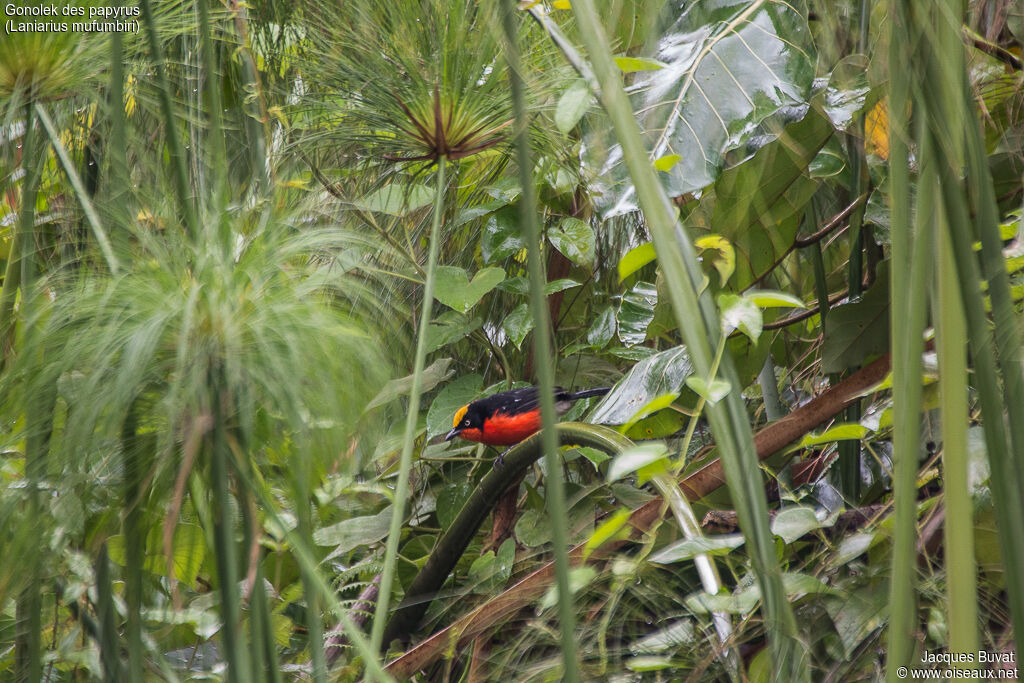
256,256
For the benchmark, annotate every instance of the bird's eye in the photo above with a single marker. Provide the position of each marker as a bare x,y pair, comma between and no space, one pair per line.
465,423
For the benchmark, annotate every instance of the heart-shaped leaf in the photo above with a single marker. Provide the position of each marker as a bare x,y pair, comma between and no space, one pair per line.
501,236
635,259
739,313
636,313
454,289
792,523
355,531
572,105
712,392
657,375
518,324
575,239
603,328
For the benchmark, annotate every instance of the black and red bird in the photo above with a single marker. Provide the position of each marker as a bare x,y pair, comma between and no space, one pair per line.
507,418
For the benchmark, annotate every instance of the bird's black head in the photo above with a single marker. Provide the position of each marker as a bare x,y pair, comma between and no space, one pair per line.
468,423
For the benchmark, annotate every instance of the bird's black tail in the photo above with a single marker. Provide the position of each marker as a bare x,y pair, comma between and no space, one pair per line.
586,393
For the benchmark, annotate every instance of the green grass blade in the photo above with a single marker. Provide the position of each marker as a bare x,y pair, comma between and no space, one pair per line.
958,530
405,463
555,488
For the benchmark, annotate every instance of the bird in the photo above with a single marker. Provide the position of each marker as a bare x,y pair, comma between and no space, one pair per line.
507,418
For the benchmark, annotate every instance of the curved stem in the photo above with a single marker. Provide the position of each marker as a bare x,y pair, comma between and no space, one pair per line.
453,543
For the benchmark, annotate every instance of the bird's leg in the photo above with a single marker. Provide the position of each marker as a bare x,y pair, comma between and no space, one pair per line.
499,462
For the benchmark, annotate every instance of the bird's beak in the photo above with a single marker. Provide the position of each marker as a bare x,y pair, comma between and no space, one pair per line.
452,434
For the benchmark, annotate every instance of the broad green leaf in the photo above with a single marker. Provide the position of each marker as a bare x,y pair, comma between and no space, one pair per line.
679,633
635,259
450,500
631,64
729,67
657,375
654,405
188,550
469,213
740,602
603,328
449,327
608,529
579,578
794,522
635,458
828,162
355,531
520,285
658,425
456,394
593,455
712,392
859,613
852,547
766,298
725,261
690,548
455,290
491,571
636,313
666,162
572,105
396,200
856,331
433,374
841,432
205,623
533,528
738,313
501,236
575,239
847,91
518,324
481,570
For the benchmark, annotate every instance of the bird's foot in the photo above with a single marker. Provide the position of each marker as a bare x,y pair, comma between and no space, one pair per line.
499,462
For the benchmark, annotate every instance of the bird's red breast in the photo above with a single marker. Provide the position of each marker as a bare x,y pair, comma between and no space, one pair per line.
503,429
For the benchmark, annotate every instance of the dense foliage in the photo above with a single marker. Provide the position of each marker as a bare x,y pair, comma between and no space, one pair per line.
255,257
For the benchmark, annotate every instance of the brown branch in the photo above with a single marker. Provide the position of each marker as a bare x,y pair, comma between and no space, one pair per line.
996,51
833,223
